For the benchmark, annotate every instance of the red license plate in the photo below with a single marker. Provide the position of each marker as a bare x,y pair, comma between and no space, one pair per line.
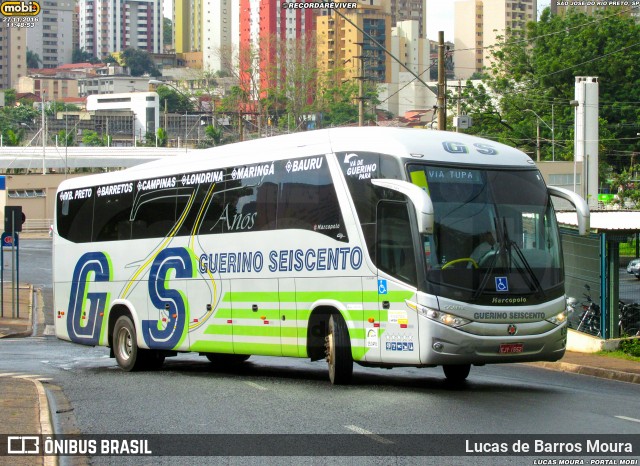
510,348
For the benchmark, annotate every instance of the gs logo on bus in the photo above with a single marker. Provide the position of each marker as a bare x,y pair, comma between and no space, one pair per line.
20,8
86,308
460,148
167,333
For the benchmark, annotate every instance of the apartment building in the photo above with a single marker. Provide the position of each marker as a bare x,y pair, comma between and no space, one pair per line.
52,36
264,26
410,10
13,56
479,24
107,26
340,44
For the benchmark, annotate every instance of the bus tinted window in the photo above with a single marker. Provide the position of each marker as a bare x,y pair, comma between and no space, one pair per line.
75,214
153,214
308,199
112,223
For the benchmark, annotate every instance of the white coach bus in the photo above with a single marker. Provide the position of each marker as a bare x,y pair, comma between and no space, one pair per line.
387,247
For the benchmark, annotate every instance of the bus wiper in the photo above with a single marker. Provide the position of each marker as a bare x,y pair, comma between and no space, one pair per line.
500,248
532,276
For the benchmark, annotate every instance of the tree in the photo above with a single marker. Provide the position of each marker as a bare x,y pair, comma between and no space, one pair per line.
161,134
66,138
82,56
33,60
139,62
536,70
339,101
13,138
213,134
93,139
177,102
167,33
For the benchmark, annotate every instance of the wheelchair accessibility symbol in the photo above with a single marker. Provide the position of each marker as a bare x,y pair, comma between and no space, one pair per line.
502,284
382,287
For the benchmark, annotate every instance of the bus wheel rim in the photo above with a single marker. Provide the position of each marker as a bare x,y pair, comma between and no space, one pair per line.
124,343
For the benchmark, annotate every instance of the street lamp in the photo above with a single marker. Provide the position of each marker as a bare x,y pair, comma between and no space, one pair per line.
553,145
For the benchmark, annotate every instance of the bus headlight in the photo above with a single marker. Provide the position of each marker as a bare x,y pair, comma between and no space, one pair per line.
442,317
559,318
446,319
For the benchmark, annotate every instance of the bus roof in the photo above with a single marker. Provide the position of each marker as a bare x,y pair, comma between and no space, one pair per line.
415,144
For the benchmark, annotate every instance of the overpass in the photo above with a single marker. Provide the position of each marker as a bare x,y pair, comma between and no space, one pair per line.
58,158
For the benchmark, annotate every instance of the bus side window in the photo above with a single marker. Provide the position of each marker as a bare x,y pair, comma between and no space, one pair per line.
75,219
394,244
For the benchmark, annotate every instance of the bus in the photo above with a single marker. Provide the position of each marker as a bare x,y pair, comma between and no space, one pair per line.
352,245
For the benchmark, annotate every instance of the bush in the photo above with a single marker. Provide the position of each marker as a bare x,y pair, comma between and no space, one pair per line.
631,346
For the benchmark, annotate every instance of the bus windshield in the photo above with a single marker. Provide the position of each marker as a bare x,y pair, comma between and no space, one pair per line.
495,240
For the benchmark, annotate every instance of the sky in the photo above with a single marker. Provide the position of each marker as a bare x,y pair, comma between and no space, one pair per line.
439,16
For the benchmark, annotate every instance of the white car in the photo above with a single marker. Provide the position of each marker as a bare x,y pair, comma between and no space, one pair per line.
634,267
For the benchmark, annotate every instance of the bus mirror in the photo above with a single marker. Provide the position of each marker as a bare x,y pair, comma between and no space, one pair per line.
419,198
582,208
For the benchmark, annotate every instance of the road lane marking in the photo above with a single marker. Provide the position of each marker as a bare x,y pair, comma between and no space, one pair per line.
371,435
628,418
9,374
255,385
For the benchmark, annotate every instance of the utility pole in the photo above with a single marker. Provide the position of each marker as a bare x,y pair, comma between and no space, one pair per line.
459,106
44,132
360,79
442,110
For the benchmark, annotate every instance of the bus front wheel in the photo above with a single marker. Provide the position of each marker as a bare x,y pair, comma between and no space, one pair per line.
456,373
338,349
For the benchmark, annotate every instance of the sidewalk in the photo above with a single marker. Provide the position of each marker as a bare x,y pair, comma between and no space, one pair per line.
24,408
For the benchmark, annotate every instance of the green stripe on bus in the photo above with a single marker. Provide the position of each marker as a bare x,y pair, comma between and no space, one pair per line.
257,330
205,346
310,296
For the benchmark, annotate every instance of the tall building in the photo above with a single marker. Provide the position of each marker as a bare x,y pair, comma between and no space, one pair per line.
13,56
264,26
108,26
410,10
220,34
210,27
52,37
187,24
340,44
479,23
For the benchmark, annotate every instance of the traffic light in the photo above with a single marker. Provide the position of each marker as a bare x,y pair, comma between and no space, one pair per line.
14,211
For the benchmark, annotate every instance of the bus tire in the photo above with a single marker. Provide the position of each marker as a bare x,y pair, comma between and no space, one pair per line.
226,359
456,372
125,346
338,348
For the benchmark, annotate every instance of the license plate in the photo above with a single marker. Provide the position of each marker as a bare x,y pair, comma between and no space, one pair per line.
510,348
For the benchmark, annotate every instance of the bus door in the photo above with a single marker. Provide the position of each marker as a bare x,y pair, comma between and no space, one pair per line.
255,312
397,278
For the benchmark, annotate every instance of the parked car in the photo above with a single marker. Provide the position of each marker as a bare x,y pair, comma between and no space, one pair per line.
634,267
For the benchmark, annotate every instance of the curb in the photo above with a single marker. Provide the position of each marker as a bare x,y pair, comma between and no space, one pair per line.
46,426
591,371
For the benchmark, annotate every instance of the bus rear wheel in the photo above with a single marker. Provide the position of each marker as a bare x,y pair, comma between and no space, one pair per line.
338,350
456,373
